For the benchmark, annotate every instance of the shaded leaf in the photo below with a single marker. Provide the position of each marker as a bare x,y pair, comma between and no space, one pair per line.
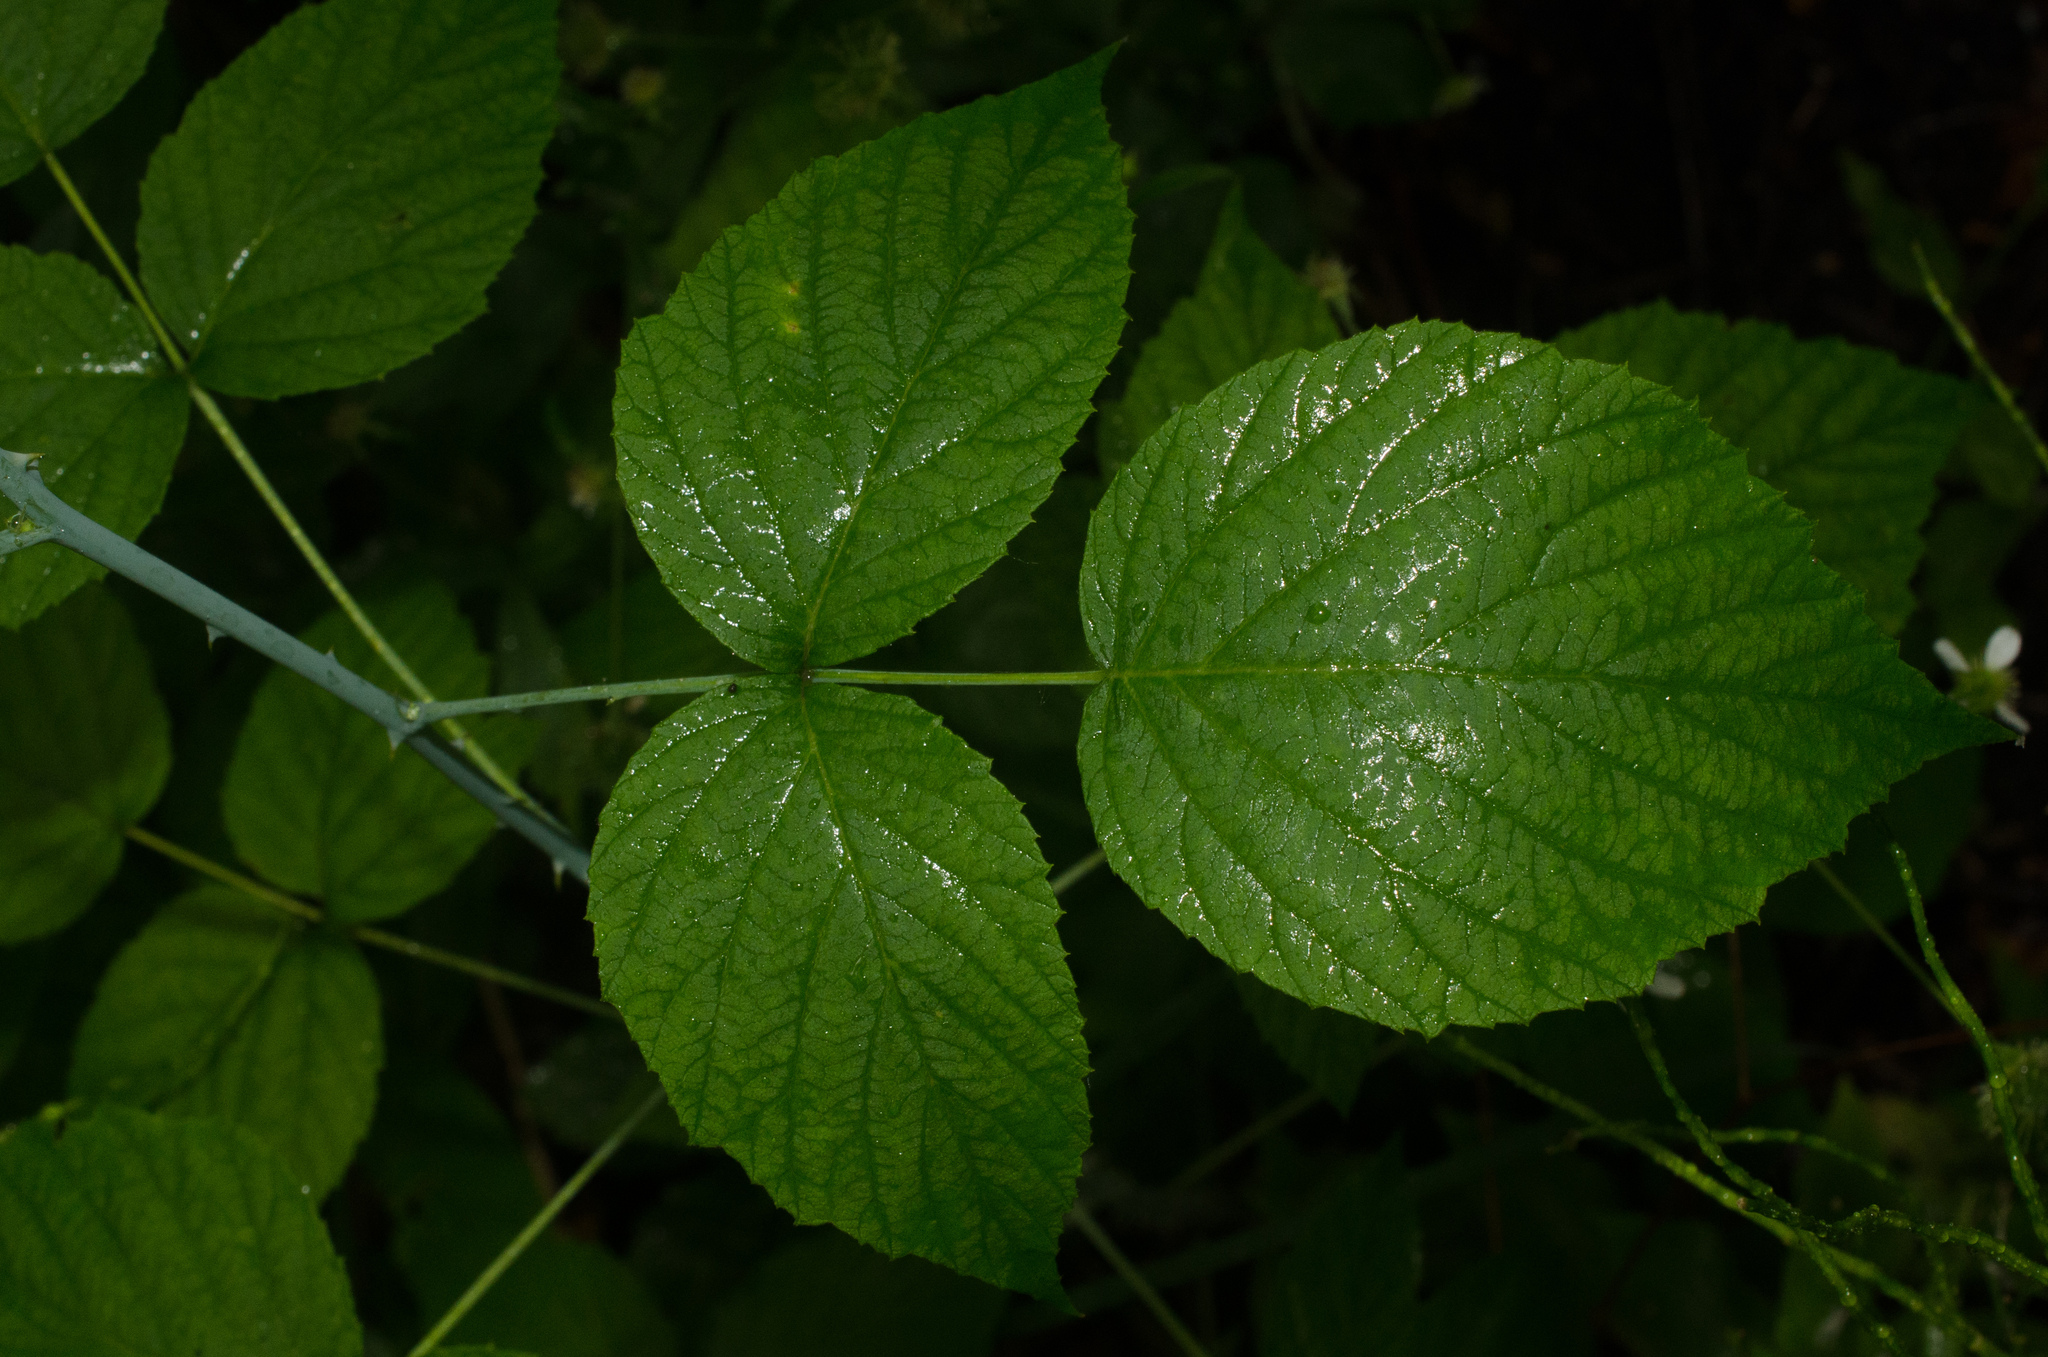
1331,1050
223,1007
133,1234
1348,1283
335,202
590,1083
1456,681
861,394
64,63
1894,227
459,1190
1248,306
83,387
1932,812
824,1295
830,931
1852,437
86,751
317,799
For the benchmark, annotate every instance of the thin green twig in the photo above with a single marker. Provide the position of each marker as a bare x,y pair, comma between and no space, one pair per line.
1991,1247
1994,1065
374,937
1999,390
540,1222
1760,1192
1134,1279
286,519
1878,930
1223,1153
1075,874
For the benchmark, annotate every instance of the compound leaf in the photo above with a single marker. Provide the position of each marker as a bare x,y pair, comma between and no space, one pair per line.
316,798
861,393
223,1007
1248,306
83,387
63,63
334,204
86,752
133,1234
1454,681
830,931
1852,437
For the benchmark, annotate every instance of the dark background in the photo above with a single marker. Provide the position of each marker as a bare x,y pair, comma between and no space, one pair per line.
1613,153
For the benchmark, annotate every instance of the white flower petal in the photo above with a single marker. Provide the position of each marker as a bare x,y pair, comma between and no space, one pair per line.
1951,656
2002,649
2009,714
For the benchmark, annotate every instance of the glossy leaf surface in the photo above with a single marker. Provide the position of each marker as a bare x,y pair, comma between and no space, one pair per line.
830,931
316,798
223,1007
861,394
63,63
86,751
1247,307
83,388
139,1236
1456,682
1852,437
333,205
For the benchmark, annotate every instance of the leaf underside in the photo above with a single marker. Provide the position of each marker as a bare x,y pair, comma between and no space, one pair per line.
860,394
134,1234
1455,681
1852,436
316,798
223,1007
83,388
90,763
830,931
64,65
335,202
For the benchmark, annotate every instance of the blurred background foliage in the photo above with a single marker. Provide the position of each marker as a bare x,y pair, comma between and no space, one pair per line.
1304,1183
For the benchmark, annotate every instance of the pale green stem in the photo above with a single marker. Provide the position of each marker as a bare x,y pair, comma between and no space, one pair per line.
375,937
1132,1278
453,730
1071,877
240,452
172,354
1877,928
1969,342
425,712
540,1222
1759,1191
1994,1065
1715,1190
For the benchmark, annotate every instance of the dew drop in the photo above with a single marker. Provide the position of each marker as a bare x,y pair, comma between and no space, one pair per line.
1320,613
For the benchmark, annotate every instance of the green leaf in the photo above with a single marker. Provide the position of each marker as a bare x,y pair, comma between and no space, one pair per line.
1348,1283
64,63
86,751
131,1234
1247,307
317,800
1851,436
1894,227
861,394
83,387
823,1295
830,931
590,1083
1370,65
334,204
1331,1050
223,1007
1455,681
